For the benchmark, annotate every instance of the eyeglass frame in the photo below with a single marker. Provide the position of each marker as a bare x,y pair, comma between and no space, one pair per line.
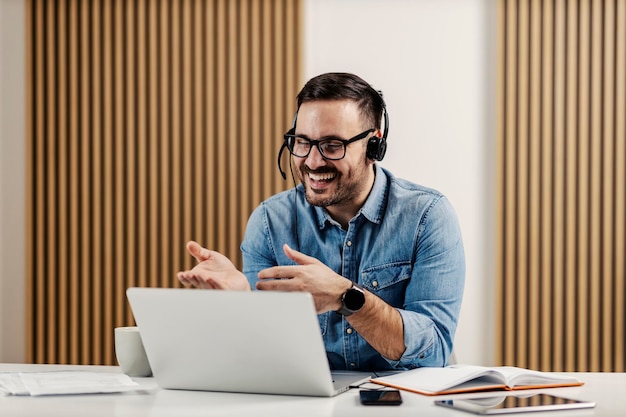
290,135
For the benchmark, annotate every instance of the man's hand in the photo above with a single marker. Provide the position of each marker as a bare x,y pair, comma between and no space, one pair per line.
309,275
214,271
377,322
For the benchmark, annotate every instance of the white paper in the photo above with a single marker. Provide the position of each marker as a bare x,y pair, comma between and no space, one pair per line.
65,382
11,384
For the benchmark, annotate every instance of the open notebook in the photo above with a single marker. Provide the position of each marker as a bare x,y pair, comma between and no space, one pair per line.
457,379
256,342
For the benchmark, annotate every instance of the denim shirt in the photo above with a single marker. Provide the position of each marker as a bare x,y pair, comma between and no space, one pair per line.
404,246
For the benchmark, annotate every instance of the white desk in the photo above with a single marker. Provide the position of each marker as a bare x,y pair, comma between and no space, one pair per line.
607,389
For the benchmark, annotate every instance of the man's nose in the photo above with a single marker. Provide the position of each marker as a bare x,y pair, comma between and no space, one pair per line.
315,158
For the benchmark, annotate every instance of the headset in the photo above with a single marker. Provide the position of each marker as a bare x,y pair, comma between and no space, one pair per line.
376,146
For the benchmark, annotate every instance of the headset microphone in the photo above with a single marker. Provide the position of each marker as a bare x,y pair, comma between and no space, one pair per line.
282,148
280,153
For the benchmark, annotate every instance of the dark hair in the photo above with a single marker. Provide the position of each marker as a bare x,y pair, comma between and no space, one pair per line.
342,86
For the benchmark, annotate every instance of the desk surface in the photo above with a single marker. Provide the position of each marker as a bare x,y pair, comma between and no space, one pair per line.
607,389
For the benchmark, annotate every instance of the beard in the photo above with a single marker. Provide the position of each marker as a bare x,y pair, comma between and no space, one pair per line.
345,187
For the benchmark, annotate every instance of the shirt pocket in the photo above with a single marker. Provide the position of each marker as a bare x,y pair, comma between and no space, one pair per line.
388,281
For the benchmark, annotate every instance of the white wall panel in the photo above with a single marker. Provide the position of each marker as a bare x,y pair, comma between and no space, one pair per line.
435,62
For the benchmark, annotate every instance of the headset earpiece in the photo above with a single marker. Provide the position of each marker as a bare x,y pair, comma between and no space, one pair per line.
376,148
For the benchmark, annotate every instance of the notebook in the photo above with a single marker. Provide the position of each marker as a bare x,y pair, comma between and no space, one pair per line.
261,342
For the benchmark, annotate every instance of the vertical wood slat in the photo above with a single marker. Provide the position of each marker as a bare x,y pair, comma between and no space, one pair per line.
547,13
51,178
120,242
562,162
558,166
231,84
582,164
595,183
97,182
520,152
108,177
607,167
164,133
619,297
200,133
154,141
63,204
243,97
534,173
74,225
130,147
186,118
141,161
570,187
150,124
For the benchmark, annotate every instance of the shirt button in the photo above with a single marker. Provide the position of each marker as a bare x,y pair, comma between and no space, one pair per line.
349,331
374,283
349,243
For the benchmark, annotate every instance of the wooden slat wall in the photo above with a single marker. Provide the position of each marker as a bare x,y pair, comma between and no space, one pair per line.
150,123
562,184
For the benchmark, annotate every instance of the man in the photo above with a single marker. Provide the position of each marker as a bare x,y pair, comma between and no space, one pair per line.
382,257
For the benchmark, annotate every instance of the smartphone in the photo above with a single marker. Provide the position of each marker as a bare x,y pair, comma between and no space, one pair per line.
505,404
380,397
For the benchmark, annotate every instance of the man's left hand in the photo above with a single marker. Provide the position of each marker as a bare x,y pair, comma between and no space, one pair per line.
309,275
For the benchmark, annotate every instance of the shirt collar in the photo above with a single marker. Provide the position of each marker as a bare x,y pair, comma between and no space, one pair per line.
373,208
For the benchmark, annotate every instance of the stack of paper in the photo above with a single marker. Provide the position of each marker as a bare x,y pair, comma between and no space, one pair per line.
64,382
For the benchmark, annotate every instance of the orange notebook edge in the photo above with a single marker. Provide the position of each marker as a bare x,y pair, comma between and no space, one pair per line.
495,387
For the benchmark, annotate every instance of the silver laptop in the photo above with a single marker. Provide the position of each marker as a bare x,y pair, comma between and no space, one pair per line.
262,342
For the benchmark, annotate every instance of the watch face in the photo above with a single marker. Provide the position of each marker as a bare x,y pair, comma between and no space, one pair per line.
354,299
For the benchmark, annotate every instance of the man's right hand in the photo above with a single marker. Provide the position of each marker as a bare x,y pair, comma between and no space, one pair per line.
213,271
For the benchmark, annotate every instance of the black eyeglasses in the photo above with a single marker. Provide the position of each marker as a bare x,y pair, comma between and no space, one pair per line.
331,148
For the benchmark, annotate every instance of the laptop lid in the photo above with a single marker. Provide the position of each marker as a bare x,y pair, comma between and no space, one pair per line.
235,341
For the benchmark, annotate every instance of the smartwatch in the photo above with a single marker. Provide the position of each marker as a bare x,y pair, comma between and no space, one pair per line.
352,300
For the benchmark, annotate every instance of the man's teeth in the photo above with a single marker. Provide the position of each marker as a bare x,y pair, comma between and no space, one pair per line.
322,177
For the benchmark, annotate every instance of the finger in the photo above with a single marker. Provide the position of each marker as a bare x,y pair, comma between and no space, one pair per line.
190,281
197,251
183,277
298,257
281,272
189,278
277,285
198,282
183,280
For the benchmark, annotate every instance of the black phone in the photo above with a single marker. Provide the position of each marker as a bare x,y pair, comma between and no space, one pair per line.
380,397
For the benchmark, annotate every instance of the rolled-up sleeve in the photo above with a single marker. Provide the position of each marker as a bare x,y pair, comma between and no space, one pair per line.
434,292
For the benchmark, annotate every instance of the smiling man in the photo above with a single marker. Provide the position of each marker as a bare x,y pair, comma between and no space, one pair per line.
335,174
382,257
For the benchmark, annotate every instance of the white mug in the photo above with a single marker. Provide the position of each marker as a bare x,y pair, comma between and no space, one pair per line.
130,352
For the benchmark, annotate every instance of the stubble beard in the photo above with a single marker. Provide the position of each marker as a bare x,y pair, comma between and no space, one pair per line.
346,189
